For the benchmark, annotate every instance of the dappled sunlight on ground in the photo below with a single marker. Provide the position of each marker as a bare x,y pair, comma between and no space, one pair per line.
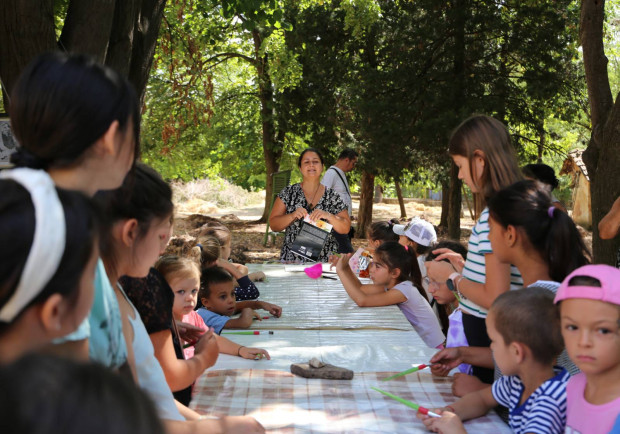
248,235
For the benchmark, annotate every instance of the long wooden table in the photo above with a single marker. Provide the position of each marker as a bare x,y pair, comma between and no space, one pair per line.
320,320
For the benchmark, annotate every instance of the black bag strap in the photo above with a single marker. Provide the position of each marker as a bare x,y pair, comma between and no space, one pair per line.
346,187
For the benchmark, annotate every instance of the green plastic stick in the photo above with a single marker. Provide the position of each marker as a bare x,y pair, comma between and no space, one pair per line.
408,371
242,333
409,404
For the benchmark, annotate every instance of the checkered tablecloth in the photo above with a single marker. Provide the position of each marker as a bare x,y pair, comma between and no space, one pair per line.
319,304
358,350
286,403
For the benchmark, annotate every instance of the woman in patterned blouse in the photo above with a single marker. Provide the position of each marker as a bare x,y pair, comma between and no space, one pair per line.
308,198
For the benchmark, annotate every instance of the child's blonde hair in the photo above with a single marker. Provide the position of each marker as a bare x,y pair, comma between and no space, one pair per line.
486,134
185,246
175,267
217,230
210,249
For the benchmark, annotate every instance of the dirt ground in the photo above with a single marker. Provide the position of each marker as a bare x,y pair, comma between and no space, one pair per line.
248,235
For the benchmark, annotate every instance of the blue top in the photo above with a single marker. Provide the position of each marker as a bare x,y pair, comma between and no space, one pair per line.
543,412
616,428
213,319
103,327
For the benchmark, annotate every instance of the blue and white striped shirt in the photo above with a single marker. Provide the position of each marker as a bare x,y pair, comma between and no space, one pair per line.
475,264
543,412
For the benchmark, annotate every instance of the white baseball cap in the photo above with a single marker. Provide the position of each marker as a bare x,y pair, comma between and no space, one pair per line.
418,230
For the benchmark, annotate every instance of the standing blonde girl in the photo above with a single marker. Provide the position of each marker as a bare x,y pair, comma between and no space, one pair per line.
481,149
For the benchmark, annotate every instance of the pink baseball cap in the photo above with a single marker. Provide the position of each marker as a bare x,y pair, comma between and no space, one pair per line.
608,292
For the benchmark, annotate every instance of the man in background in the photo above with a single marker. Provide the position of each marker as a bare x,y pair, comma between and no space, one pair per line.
335,178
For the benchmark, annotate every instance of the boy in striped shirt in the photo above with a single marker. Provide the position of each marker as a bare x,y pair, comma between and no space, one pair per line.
525,337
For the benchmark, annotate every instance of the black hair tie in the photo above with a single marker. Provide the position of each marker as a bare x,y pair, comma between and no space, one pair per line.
24,158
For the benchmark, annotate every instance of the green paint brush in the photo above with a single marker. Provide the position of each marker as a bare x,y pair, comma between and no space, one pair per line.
408,371
409,404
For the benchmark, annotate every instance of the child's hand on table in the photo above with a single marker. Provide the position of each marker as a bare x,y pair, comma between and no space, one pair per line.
273,309
448,423
254,353
247,312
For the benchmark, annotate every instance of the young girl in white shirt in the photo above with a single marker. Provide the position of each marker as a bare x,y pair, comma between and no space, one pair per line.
394,270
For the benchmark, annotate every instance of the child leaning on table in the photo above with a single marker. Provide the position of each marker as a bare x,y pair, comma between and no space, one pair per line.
524,329
589,302
245,289
396,277
183,276
217,295
215,250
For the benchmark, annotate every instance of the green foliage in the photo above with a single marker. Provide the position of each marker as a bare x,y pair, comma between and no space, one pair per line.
285,71
360,16
389,78
611,40
398,88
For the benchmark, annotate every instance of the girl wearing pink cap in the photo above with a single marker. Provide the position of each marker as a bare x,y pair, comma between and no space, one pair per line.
589,300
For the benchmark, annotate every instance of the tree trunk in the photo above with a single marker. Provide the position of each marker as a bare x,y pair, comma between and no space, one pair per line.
540,130
454,215
445,203
502,82
119,51
26,30
364,216
602,157
126,29
401,202
272,150
605,186
87,28
454,200
145,33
